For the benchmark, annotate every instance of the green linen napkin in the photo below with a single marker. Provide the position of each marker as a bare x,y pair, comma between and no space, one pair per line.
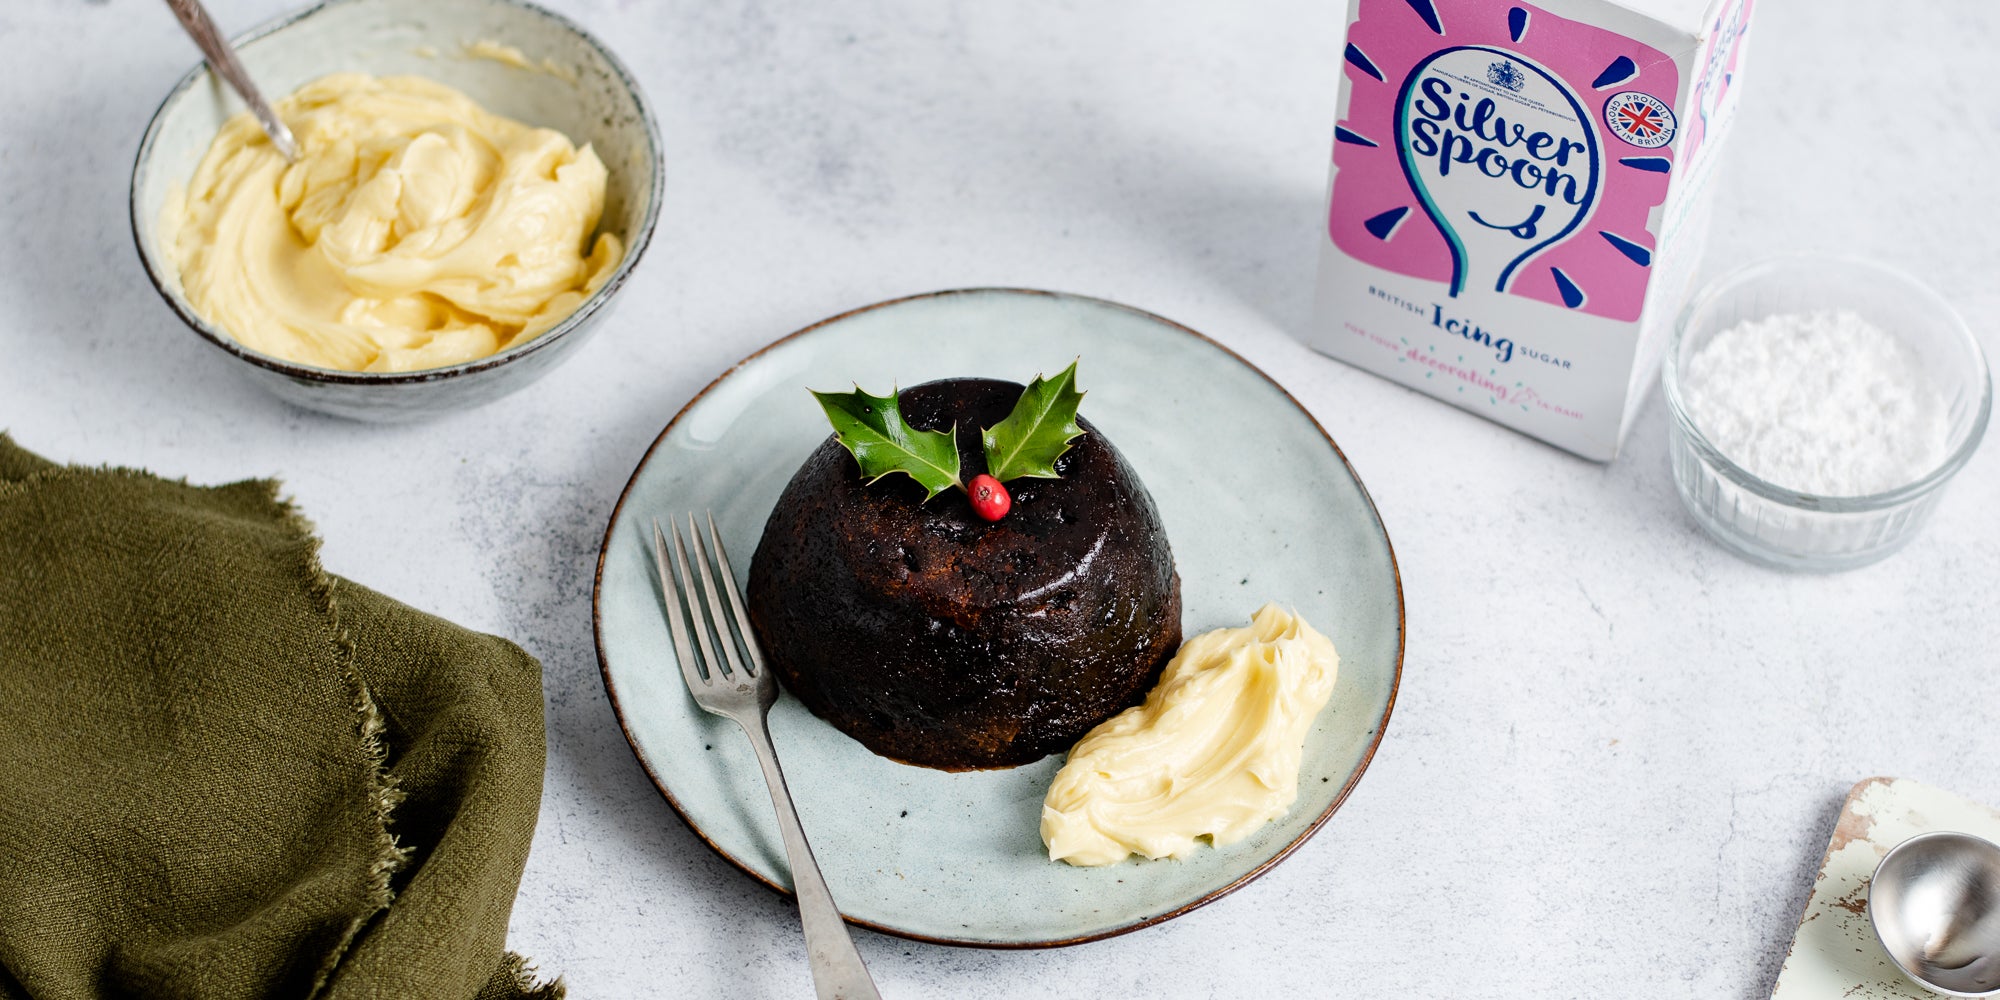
226,773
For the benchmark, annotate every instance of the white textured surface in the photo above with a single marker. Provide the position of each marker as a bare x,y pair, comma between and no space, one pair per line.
1618,750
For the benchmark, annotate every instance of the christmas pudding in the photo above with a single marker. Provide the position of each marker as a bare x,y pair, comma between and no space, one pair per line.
962,598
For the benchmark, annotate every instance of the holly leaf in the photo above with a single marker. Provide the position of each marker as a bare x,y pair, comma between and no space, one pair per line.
1040,429
873,430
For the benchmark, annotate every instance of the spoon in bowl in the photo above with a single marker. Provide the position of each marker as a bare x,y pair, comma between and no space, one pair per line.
1935,904
222,59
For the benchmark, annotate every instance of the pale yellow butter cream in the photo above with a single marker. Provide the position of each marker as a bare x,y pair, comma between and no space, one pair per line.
1212,752
508,55
417,230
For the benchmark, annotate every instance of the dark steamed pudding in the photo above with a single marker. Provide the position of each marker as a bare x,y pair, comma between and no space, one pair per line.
940,639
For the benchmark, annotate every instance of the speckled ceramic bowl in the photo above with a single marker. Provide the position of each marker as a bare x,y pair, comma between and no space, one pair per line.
575,86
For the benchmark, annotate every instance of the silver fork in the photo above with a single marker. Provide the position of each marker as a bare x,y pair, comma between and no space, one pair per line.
745,697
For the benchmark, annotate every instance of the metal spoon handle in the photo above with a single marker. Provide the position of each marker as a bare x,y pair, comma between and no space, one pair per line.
222,59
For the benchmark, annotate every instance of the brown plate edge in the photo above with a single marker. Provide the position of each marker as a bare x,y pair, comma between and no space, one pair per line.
1381,725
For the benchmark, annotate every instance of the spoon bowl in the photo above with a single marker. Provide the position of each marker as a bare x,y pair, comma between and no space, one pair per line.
1935,904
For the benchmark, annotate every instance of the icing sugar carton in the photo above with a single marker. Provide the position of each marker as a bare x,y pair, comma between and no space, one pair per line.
1518,199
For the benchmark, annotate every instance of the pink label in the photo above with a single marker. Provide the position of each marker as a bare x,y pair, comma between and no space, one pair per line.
1497,147
1720,56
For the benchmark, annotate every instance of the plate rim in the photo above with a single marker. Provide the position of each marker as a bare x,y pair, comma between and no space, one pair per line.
1339,799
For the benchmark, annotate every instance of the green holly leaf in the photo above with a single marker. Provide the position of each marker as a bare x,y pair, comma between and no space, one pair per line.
883,443
1040,429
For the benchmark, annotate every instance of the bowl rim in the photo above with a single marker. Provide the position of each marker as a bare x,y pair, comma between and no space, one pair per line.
635,244
1714,457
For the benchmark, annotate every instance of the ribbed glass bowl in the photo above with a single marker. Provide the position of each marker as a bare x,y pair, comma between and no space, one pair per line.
1783,527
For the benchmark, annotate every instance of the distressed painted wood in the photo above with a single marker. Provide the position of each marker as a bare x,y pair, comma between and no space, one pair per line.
1835,953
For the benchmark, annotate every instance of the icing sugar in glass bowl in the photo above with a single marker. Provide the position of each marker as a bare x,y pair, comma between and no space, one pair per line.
1821,402
1820,405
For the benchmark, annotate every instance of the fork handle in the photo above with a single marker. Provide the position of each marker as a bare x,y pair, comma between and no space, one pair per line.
837,970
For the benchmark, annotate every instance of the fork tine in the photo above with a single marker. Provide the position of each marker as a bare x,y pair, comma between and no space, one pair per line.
676,618
739,619
720,618
697,618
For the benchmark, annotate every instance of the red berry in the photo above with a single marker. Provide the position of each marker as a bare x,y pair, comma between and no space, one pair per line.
989,498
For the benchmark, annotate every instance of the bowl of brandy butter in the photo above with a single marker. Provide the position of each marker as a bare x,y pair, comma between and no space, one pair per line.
517,61
1821,405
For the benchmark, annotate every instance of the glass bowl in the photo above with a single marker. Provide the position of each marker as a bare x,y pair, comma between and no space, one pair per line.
1783,527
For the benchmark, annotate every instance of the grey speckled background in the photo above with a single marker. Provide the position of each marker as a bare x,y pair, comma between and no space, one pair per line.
1618,751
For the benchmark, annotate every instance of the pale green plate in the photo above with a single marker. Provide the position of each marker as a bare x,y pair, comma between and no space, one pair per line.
1258,504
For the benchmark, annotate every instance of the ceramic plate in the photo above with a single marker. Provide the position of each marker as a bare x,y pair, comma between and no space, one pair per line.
1258,505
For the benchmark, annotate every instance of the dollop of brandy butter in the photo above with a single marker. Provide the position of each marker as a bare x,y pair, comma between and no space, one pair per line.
417,230
1213,752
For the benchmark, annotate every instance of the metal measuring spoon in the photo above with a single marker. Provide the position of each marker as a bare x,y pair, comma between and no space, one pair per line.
222,59
1935,904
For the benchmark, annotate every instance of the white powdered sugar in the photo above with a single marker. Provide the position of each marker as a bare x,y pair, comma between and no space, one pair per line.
1820,402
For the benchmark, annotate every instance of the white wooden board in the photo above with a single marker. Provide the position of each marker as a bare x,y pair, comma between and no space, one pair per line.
1835,953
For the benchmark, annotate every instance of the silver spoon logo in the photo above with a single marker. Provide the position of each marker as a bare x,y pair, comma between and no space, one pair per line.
1501,155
